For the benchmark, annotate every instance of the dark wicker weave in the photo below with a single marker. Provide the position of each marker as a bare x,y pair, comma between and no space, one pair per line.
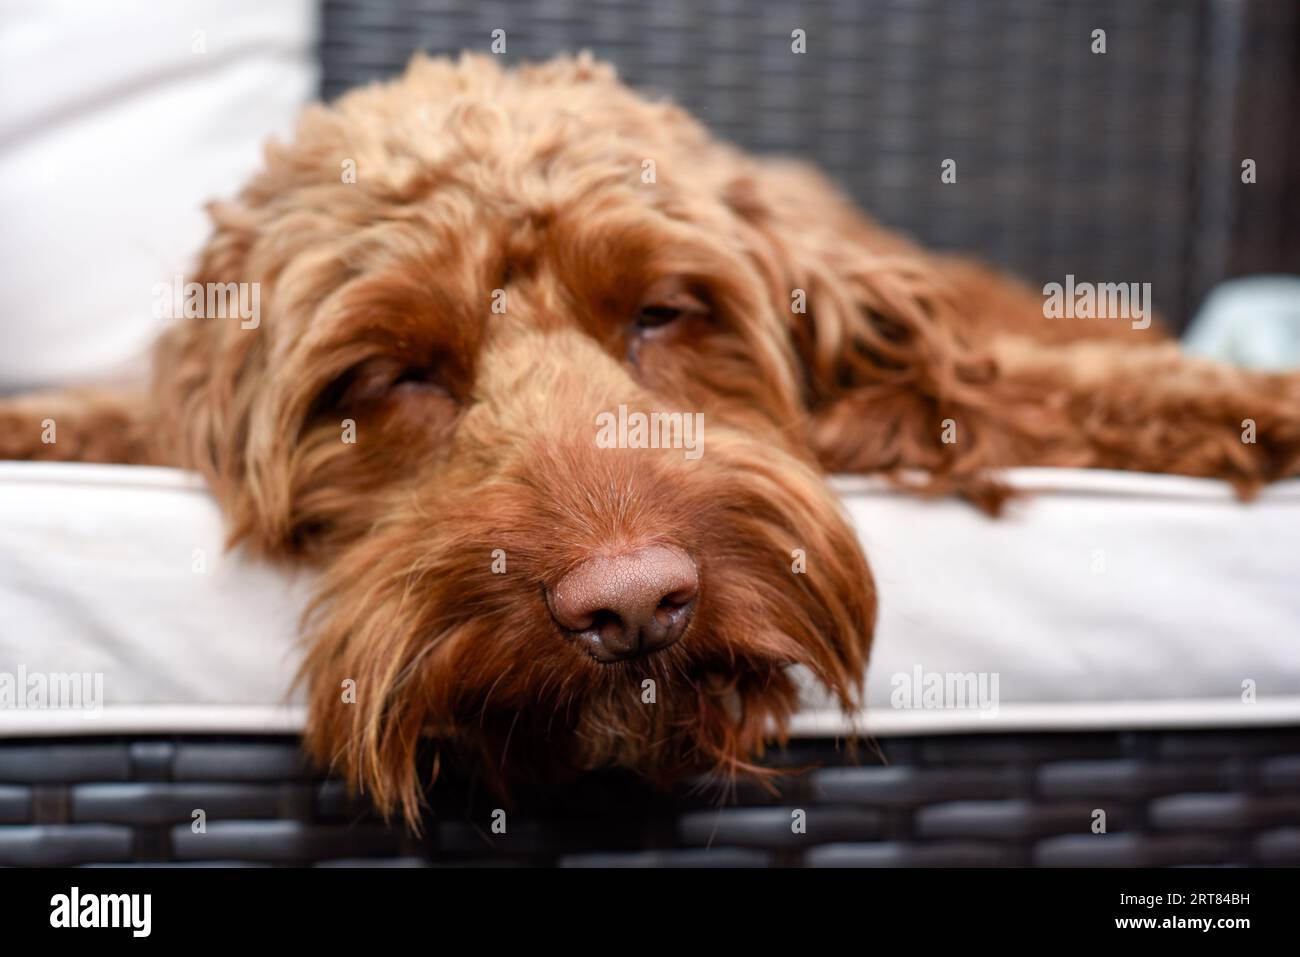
1116,167
1208,797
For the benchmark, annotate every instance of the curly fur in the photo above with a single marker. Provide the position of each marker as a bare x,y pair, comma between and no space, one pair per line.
472,179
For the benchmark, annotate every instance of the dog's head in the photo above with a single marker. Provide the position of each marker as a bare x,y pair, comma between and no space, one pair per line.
530,387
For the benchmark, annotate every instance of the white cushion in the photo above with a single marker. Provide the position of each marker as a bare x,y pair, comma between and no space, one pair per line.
1102,600
114,134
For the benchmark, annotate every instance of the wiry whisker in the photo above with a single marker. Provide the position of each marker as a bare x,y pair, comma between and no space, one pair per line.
505,748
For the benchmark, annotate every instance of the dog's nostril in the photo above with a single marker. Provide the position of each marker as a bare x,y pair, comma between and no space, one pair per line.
672,607
608,626
618,606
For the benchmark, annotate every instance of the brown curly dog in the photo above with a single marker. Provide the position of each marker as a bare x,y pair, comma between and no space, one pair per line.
546,385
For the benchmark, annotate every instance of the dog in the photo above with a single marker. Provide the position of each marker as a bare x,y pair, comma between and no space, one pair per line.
496,305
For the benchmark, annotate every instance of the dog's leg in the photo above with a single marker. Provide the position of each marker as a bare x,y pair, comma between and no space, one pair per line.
1089,404
1155,409
78,425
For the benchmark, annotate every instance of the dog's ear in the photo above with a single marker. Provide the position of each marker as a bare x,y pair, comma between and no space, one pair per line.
368,672
863,303
879,326
217,400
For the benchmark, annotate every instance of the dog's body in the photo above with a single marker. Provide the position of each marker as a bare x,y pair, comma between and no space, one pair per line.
523,253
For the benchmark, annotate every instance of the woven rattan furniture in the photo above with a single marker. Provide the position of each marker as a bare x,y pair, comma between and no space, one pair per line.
1170,798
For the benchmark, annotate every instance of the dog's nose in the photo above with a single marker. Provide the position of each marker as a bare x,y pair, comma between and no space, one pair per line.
621,606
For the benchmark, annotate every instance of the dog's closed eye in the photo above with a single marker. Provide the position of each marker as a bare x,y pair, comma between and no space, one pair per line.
418,380
381,378
666,302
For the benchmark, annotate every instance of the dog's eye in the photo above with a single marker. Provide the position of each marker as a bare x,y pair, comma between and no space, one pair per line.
667,303
652,317
378,379
416,379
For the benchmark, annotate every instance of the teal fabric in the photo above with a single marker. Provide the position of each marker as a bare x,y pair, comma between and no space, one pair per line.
1251,322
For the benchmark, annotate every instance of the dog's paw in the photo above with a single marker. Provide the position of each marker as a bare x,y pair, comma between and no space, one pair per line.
24,433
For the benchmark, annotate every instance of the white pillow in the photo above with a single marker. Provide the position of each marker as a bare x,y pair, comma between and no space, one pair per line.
118,122
1252,322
